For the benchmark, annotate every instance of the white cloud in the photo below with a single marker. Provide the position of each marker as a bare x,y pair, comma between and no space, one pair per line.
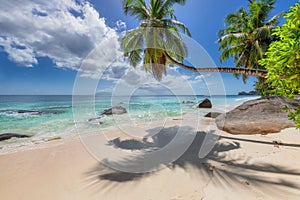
199,77
74,35
121,25
19,53
63,30
140,82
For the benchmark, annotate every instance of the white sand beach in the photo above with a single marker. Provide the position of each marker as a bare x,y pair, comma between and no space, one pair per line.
149,100
239,167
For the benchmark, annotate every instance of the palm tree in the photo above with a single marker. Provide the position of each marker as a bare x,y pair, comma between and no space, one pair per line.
157,41
157,34
248,34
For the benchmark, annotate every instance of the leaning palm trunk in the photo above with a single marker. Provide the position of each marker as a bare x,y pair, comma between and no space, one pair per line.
157,41
233,70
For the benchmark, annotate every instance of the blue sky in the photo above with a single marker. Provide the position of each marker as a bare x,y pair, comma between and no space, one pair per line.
41,51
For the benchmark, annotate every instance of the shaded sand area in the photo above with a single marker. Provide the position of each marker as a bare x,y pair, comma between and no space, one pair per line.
238,167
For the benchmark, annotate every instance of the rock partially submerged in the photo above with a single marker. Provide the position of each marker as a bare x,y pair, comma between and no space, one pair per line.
96,120
212,115
205,103
116,110
33,112
6,136
187,102
259,116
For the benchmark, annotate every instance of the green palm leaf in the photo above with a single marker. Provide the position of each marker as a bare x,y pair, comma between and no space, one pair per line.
157,42
176,24
248,34
158,33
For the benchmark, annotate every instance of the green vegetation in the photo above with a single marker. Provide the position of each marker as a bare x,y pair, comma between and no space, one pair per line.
247,35
157,41
283,60
251,38
157,34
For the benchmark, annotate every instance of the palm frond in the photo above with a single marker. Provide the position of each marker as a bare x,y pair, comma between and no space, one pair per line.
135,57
241,59
262,33
178,48
227,53
273,22
155,6
244,78
165,6
231,39
175,23
136,8
133,40
259,52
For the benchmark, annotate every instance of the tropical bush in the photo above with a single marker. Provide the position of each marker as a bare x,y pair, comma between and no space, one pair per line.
283,60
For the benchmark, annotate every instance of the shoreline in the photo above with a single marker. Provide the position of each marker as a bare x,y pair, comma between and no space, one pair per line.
21,144
240,166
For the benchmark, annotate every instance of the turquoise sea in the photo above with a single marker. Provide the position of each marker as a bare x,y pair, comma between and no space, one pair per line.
45,116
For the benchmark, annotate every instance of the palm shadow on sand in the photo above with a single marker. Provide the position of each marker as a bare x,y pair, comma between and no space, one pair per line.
224,170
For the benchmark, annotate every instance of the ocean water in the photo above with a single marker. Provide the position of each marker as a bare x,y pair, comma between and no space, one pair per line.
43,117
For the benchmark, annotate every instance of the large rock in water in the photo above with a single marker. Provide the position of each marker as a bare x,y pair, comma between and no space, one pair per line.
260,116
116,110
212,115
205,103
6,136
